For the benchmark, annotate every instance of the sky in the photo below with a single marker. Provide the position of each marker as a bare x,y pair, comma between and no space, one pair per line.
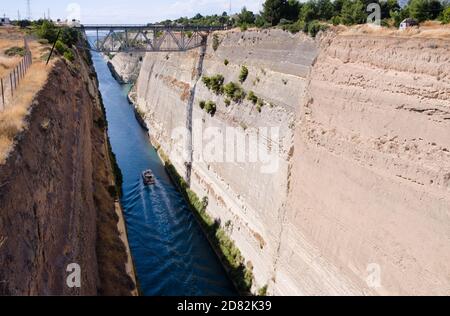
123,11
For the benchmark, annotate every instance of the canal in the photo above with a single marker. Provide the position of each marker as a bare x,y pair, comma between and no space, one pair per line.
171,254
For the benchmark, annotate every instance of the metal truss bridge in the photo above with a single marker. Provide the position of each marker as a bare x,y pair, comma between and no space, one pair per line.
145,38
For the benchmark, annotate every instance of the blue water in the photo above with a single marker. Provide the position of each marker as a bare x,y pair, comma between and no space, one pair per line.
170,252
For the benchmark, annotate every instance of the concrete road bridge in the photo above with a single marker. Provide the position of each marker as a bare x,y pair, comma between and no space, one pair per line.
145,38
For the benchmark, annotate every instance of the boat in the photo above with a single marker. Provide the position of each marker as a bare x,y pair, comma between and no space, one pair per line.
148,177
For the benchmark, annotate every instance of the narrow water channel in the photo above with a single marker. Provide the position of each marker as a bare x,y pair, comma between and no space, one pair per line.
170,252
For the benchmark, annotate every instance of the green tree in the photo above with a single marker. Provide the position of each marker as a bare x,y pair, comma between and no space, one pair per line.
418,9
292,10
423,10
48,31
308,12
260,21
387,7
325,9
399,16
337,4
273,10
445,18
245,17
353,12
69,36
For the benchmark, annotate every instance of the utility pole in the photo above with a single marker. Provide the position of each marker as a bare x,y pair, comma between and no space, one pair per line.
29,10
48,14
18,15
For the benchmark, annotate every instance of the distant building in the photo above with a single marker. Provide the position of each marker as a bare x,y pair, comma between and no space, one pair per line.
74,23
408,23
5,21
68,23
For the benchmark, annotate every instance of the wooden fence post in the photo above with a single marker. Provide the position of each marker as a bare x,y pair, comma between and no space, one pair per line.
3,93
11,81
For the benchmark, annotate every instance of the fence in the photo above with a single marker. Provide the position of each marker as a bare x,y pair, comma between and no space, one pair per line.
10,83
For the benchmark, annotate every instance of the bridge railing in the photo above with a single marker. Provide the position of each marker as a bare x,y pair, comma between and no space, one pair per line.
150,26
146,38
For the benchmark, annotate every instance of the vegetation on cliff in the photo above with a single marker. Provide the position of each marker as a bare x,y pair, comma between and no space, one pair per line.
232,91
66,40
313,16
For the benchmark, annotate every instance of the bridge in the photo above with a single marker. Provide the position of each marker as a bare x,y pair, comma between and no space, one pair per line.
145,38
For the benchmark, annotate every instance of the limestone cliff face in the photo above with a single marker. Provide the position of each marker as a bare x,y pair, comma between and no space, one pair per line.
126,66
371,171
363,156
57,203
241,192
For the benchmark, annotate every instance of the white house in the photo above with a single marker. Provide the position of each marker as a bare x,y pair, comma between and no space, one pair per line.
5,21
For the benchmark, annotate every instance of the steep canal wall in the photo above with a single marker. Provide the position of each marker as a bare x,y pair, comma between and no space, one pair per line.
58,194
246,198
358,202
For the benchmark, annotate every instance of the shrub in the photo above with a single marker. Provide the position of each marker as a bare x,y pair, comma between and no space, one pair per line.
15,51
214,83
263,291
243,27
226,62
445,18
234,92
48,31
69,55
202,104
315,27
227,102
229,89
211,108
60,47
243,75
216,42
69,36
294,27
260,102
335,20
252,97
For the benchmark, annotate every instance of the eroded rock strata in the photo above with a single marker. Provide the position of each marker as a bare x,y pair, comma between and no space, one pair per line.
58,195
359,201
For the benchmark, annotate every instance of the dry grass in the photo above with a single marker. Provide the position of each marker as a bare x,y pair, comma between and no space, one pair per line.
12,119
429,29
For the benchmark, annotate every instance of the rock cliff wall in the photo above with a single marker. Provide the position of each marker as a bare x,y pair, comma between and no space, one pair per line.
248,197
370,195
126,66
57,195
358,202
